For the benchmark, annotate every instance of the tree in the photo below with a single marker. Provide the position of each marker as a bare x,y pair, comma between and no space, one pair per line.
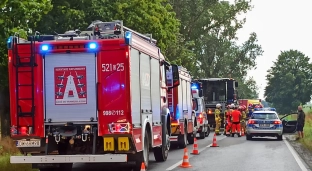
209,30
247,89
289,81
144,16
15,17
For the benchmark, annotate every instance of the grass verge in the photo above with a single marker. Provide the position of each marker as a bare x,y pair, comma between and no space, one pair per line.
307,140
7,148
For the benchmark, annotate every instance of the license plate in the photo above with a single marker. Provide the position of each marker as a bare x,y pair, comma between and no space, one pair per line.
30,143
264,125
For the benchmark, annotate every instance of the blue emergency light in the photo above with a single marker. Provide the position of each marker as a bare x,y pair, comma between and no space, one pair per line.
128,37
9,42
194,86
44,48
92,46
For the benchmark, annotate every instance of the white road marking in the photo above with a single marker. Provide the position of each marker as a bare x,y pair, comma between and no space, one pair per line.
296,156
190,156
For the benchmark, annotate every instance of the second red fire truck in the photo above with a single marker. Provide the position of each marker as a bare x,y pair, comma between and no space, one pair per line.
94,97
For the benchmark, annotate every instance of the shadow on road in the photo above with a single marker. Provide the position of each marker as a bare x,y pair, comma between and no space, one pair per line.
264,139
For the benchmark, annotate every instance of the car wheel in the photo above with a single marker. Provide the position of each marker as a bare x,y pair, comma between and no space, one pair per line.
280,137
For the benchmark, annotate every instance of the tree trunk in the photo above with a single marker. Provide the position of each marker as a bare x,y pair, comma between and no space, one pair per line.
4,112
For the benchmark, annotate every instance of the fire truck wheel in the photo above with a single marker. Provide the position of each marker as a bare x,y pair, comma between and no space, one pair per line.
161,153
183,138
142,156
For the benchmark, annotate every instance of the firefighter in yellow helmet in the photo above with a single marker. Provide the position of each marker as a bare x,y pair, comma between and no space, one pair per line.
218,119
243,121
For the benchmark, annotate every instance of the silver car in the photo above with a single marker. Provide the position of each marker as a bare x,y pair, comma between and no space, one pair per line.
264,122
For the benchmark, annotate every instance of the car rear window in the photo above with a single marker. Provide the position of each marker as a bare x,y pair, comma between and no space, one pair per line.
264,116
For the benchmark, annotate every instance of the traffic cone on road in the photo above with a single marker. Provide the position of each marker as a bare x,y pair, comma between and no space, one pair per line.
142,167
185,162
195,147
214,141
243,132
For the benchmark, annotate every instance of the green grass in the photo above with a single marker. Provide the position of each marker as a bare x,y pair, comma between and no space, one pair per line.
7,148
307,130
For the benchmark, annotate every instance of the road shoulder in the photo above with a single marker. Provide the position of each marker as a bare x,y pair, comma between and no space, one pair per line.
302,151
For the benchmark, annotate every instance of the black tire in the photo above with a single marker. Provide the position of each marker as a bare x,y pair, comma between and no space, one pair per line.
280,137
248,137
142,156
161,153
183,138
202,135
190,138
208,131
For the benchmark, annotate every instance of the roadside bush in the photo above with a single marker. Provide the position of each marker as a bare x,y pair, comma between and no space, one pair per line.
8,148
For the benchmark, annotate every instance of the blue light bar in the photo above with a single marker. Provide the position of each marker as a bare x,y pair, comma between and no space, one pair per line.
264,109
128,37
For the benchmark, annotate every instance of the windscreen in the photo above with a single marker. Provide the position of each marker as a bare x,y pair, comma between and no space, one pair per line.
214,91
264,116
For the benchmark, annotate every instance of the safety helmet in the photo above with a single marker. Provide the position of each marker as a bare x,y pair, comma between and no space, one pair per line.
218,105
232,106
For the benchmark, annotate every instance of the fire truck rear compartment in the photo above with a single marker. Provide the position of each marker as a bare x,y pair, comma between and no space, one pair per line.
70,87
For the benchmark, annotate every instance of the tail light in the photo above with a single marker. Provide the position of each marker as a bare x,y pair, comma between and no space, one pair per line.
277,122
251,122
200,118
119,127
24,130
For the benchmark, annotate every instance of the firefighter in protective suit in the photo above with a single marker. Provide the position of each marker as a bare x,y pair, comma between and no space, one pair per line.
224,119
218,119
243,121
236,117
228,124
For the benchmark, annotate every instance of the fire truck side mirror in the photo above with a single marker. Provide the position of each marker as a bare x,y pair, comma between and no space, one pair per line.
236,84
175,75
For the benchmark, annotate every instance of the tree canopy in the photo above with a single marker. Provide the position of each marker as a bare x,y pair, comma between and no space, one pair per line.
198,34
289,81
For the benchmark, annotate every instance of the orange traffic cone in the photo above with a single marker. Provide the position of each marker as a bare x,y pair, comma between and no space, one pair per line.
142,167
243,132
195,147
185,162
214,141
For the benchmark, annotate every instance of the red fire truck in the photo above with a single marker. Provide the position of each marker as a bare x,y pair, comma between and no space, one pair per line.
92,97
183,119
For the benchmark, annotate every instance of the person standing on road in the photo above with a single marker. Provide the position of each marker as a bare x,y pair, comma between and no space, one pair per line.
236,118
243,120
227,121
218,119
300,121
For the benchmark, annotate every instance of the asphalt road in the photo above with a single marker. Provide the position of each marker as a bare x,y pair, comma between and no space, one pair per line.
175,156
238,154
233,154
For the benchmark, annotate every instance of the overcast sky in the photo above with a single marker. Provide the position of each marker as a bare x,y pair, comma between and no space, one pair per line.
280,25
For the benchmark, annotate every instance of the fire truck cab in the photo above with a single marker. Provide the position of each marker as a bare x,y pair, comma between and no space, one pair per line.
89,97
183,119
